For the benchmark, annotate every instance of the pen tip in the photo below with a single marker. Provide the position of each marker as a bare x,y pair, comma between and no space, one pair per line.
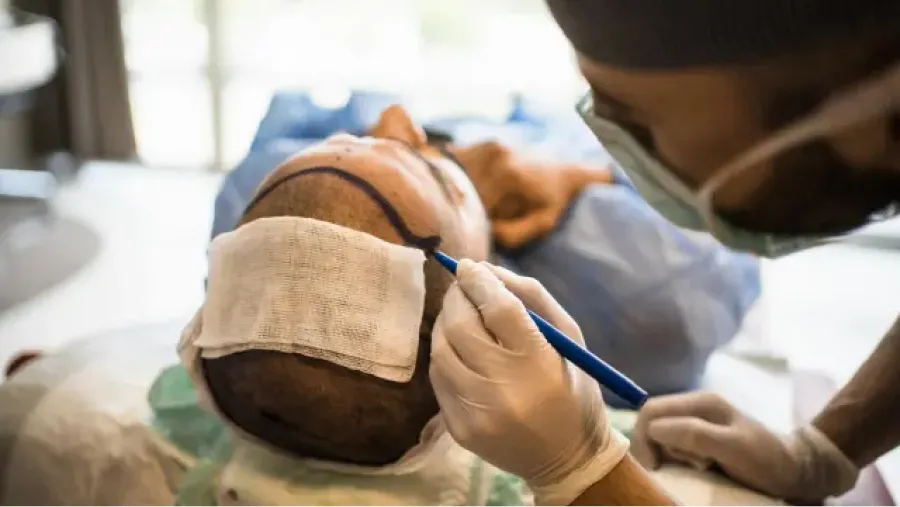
445,260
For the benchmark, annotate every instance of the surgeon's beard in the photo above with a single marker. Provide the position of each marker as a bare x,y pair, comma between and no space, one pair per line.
812,191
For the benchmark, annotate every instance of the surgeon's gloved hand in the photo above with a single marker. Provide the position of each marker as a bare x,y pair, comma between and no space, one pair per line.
508,396
704,429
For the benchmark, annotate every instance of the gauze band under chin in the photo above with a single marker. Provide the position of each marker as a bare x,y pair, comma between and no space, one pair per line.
307,287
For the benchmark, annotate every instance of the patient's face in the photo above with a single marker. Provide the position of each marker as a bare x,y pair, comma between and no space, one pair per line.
444,184
314,408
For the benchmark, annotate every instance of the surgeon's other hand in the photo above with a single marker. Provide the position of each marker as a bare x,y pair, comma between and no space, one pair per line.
508,396
524,197
704,429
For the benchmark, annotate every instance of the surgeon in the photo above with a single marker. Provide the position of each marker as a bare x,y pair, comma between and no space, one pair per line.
772,124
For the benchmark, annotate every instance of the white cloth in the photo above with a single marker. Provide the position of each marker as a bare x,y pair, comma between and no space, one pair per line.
261,476
696,487
73,425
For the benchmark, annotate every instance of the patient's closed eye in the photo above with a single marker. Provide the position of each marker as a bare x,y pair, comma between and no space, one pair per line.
275,418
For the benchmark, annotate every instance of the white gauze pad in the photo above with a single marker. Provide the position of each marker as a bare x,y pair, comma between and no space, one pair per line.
304,286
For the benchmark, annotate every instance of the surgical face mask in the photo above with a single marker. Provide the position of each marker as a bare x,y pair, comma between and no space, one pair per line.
693,209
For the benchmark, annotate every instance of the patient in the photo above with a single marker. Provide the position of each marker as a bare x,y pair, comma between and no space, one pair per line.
293,407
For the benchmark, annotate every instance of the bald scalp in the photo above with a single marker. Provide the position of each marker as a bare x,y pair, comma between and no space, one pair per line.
313,408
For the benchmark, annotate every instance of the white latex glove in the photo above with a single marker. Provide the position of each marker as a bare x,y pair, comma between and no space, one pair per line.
704,429
508,396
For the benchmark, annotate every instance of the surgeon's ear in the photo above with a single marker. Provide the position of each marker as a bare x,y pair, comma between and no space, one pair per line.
395,123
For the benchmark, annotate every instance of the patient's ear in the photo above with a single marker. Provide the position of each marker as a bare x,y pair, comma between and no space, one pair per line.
395,123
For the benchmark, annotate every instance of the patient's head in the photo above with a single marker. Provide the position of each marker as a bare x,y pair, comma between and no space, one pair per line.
314,408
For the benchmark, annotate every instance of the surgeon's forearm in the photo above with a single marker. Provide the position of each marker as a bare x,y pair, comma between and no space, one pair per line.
862,418
627,484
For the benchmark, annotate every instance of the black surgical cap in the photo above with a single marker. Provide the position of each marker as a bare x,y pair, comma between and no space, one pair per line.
659,34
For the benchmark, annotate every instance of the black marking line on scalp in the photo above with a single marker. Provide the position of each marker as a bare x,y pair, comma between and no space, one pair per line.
426,243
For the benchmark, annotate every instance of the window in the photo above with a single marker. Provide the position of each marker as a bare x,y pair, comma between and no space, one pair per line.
203,70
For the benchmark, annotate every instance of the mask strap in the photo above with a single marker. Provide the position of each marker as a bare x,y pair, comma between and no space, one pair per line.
870,99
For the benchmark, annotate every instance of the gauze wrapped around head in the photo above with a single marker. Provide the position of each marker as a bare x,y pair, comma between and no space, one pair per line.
303,286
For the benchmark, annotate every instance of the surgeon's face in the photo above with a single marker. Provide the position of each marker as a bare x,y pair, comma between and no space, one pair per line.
696,120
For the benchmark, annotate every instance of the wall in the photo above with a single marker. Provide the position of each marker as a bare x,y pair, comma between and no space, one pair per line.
14,143
13,128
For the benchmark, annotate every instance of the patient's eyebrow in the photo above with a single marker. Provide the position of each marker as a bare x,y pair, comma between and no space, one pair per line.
435,136
426,243
435,172
437,175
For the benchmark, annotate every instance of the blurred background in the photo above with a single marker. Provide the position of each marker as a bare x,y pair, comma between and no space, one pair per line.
119,119
222,60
